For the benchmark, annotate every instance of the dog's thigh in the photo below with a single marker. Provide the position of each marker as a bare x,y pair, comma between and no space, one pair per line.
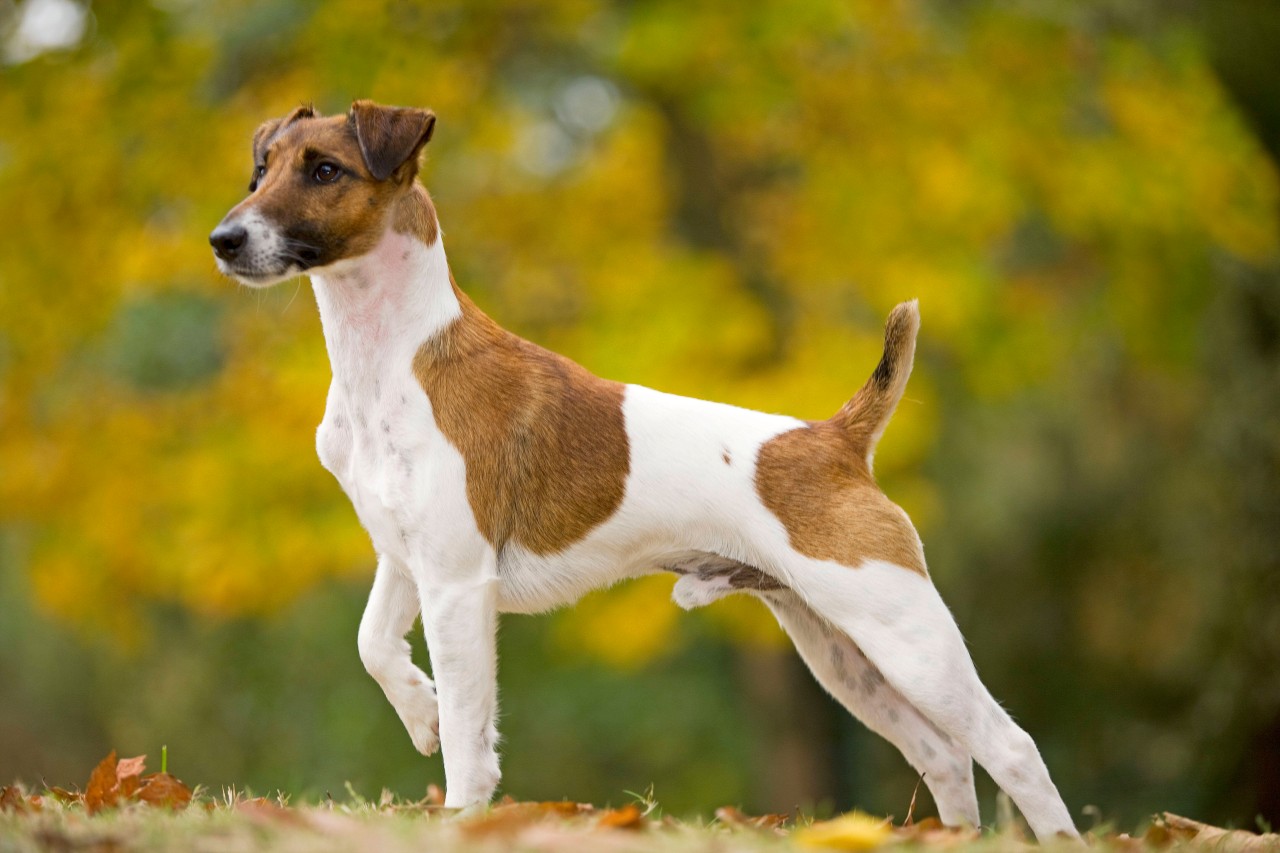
842,669
392,607
896,617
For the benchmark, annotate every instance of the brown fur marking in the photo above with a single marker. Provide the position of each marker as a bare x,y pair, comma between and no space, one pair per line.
544,440
867,413
814,480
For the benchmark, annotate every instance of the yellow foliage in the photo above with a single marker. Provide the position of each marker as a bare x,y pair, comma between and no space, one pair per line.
856,154
626,626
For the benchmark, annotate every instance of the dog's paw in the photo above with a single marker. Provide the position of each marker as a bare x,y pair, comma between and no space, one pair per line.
422,719
693,591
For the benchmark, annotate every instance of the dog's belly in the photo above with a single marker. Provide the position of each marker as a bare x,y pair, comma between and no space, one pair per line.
536,583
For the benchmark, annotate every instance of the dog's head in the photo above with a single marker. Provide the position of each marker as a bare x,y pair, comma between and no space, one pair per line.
325,189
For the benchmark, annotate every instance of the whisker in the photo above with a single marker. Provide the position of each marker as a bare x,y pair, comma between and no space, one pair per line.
291,298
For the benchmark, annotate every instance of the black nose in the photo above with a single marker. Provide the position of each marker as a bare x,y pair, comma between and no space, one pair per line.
228,240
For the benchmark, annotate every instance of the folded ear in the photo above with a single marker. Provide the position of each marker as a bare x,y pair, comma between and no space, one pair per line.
391,137
268,129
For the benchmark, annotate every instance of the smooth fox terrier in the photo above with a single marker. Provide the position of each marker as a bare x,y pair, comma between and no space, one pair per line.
494,476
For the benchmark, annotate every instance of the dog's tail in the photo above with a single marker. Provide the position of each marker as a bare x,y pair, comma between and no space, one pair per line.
865,416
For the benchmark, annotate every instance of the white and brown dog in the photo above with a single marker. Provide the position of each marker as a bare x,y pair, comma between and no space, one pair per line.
494,476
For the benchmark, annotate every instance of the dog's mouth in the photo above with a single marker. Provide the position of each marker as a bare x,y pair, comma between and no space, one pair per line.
295,259
302,255
257,277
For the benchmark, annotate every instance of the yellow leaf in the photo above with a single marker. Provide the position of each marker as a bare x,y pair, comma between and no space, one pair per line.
852,831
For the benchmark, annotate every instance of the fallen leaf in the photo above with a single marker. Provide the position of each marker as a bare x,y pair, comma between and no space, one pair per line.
131,766
852,831
627,817
128,771
1221,840
508,818
263,811
161,789
435,796
930,832
12,800
101,791
730,816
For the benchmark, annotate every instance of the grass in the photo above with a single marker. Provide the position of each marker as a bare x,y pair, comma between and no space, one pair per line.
122,809
233,821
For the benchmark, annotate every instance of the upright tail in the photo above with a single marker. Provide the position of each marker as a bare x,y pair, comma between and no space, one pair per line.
865,416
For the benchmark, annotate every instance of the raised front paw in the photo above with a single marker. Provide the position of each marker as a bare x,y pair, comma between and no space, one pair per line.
421,716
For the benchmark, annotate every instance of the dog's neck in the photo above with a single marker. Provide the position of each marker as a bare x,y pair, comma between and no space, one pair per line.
384,304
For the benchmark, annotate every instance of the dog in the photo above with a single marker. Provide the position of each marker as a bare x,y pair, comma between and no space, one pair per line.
494,476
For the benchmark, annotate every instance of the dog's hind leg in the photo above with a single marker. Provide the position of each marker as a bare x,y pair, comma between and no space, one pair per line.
842,669
393,605
844,672
898,620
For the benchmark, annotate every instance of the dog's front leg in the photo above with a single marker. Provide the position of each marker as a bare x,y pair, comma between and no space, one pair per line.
393,605
460,618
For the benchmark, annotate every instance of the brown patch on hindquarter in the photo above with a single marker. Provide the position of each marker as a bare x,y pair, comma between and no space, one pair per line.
544,440
818,485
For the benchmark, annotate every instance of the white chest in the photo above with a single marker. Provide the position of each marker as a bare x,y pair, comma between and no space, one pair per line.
379,442
378,436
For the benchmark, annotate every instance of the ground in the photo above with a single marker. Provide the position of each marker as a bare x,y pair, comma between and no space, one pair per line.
122,809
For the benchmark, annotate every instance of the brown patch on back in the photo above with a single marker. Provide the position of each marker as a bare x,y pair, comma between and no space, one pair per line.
818,485
544,440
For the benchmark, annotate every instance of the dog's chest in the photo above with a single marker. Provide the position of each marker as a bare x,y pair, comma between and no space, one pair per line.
378,438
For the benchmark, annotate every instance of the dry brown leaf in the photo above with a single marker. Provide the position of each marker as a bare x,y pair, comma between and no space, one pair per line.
264,811
128,773
730,816
101,791
161,789
435,795
627,817
127,767
931,832
12,800
510,817
1223,840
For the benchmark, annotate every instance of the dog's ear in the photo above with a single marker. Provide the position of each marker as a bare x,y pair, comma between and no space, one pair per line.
391,137
268,129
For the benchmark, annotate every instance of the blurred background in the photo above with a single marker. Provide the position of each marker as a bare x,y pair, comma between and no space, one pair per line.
717,199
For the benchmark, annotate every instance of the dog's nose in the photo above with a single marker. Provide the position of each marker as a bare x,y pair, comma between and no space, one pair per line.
228,240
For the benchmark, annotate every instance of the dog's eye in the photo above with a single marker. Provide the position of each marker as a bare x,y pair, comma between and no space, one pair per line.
257,176
326,173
